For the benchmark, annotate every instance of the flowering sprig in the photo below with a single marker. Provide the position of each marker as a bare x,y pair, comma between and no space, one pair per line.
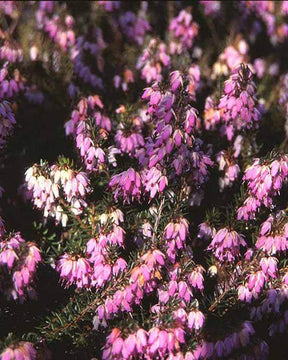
22,350
59,30
129,136
18,259
226,244
231,57
100,263
184,31
46,186
154,58
134,27
90,127
273,236
265,180
238,106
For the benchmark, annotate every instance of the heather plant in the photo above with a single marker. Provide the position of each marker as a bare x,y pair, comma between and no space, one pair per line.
143,180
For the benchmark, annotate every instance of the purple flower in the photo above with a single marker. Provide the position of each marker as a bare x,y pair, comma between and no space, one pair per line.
129,138
184,31
153,181
24,350
238,106
211,8
21,259
226,245
134,27
154,57
126,185
176,233
264,183
109,6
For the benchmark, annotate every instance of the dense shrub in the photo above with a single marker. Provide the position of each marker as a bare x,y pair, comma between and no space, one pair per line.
144,168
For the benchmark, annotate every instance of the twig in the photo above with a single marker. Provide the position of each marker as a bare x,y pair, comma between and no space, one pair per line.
216,302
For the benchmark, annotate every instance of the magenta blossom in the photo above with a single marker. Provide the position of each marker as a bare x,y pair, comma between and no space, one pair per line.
226,245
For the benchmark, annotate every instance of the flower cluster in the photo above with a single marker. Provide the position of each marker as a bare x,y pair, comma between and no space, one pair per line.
211,114
173,143
176,234
10,53
184,31
224,347
143,279
134,27
273,235
211,8
153,181
181,288
276,25
271,304
46,186
206,231
9,8
90,127
266,271
10,85
238,106
193,77
152,344
126,185
153,59
231,57
265,181
59,30
79,53
73,269
131,185
7,121
129,136
22,350
226,245
99,265
19,258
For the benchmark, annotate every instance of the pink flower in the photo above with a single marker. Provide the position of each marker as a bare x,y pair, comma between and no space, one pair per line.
21,258
153,59
176,80
126,185
238,106
206,232
184,31
176,234
74,270
129,139
195,278
7,121
226,244
264,182
211,8
269,266
21,351
195,320
230,167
